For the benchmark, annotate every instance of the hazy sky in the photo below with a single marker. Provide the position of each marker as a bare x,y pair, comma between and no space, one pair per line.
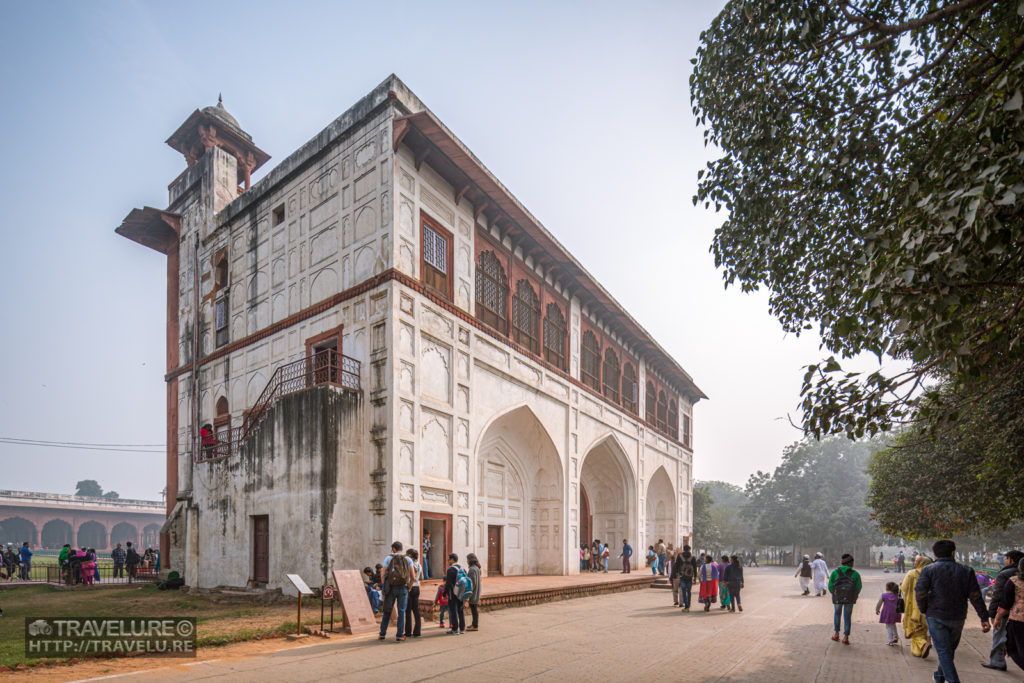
581,109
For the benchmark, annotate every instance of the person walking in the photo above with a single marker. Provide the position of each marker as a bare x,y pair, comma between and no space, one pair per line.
723,589
708,582
396,575
805,572
914,626
413,621
685,567
821,574
886,608
25,557
901,562
845,585
131,561
595,553
734,581
118,556
627,552
456,610
584,557
474,598
606,552
662,552
943,591
652,559
997,656
1010,615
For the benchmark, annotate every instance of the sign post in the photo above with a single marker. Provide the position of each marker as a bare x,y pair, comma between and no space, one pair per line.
302,589
356,614
327,593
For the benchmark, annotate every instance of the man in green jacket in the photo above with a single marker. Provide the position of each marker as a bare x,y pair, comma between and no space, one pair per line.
845,586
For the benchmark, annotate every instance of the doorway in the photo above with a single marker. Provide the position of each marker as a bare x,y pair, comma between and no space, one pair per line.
586,521
261,549
440,528
493,549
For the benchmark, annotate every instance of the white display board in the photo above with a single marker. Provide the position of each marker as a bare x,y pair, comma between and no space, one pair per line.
299,584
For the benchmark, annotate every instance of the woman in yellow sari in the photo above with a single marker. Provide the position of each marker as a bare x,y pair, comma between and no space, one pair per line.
914,626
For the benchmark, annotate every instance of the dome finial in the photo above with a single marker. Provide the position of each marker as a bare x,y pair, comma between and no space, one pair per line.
220,100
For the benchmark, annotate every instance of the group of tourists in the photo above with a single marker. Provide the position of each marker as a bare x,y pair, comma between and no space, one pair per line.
716,581
657,557
395,585
594,558
932,603
15,563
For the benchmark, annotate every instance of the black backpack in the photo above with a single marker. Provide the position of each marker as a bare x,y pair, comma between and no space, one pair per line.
687,571
844,588
398,571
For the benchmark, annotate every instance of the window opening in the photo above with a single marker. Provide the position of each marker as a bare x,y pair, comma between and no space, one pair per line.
491,292
526,317
610,373
554,336
590,368
435,259
629,388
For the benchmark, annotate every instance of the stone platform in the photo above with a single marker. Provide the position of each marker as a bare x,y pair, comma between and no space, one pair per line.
499,592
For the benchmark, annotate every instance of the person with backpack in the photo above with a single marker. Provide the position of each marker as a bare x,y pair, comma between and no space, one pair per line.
805,572
458,587
397,578
845,586
684,569
131,561
474,598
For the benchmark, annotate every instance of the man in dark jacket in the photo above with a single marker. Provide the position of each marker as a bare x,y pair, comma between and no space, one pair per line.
456,610
684,569
997,658
942,593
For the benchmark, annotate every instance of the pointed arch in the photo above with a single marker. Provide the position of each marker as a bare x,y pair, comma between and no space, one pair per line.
661,508
608,480
521,488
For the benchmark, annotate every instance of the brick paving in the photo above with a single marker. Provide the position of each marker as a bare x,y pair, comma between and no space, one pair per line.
629,636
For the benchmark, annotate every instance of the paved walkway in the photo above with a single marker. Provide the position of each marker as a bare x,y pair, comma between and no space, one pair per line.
782,636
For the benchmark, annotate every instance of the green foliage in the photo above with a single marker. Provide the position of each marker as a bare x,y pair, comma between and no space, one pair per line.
733,530
111,494
88,487
705,534
872,173
815,497
963,478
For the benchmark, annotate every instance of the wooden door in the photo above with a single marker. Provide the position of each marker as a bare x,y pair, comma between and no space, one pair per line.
261,549
493,550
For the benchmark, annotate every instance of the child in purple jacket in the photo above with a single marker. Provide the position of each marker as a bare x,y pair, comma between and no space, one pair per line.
886,608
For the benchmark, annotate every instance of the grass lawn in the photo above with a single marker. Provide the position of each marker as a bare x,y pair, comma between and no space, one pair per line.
218,623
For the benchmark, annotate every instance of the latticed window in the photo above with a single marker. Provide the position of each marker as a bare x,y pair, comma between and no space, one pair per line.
687,430
526,317
673,419
662,412
491,292
221,323
649,400
610,373
629,388
435,259
590,361
554,336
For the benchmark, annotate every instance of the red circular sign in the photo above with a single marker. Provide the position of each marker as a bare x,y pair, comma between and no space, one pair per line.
328,592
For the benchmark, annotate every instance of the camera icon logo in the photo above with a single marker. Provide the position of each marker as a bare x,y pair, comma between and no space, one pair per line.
40,627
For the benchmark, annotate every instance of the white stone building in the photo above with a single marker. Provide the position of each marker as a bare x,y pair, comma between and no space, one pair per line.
387,343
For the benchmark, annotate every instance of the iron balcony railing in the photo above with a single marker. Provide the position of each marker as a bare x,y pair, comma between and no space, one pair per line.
327,367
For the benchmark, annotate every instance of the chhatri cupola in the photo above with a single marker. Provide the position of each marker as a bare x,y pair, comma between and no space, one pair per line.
214,127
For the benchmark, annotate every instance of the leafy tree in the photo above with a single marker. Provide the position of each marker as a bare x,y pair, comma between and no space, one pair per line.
111,494
871,171
967,478
815,497
705,534
88,487
734,529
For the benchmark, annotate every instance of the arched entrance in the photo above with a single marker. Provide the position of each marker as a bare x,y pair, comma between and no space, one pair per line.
17,530
608,498
151,535
661,509
56,533
124,532
92,535
520,492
